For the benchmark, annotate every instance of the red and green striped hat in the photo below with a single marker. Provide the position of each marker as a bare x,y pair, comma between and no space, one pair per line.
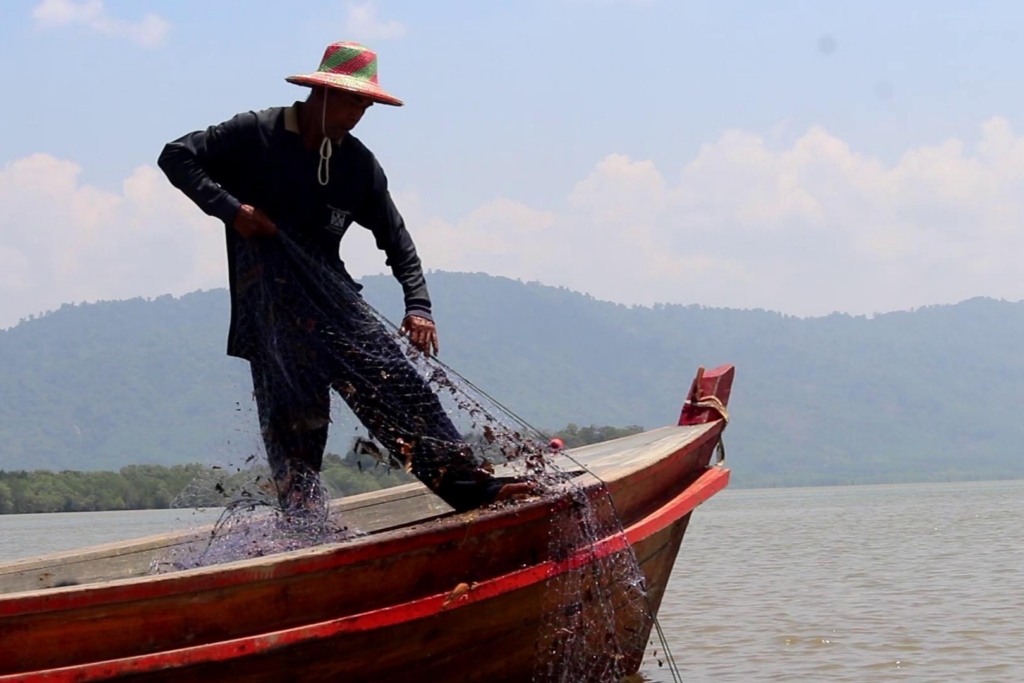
351,67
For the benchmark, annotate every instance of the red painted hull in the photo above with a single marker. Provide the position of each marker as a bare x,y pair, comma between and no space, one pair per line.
376,609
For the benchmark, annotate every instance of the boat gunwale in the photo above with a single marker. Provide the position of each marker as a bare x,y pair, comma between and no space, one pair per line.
348,504
706,485
279,566
365,501
170,539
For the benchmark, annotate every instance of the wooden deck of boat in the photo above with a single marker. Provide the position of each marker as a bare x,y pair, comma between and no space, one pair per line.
374,513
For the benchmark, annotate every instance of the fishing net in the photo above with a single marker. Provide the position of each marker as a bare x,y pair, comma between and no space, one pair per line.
307,332
596,616
309,337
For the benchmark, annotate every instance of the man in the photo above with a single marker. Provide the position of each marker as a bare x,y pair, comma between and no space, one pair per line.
288,183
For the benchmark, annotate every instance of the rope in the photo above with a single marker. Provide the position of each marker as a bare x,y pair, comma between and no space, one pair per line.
712,402
669,657
323,167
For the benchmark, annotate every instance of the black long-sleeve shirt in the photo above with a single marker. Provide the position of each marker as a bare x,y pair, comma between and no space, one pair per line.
258,158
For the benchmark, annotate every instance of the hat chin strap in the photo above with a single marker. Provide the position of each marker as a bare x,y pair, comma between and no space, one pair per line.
323,168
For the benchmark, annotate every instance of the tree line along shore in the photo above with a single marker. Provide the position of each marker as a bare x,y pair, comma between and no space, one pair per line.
155,487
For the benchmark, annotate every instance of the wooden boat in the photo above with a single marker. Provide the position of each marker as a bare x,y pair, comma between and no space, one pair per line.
427,594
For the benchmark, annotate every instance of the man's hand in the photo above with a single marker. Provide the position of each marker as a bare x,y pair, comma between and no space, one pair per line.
422,333
251,222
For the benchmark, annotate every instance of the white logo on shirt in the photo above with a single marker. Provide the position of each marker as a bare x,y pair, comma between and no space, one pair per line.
340,220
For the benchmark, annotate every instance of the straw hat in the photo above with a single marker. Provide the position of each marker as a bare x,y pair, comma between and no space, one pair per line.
351,67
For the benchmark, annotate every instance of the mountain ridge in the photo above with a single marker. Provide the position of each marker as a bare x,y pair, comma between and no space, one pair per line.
910,395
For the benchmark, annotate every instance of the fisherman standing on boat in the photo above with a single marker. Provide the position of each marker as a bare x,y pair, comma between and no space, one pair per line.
296,176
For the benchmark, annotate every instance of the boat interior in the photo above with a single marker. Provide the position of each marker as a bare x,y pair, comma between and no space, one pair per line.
400,509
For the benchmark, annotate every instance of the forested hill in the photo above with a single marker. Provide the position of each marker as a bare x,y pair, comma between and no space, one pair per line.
932,394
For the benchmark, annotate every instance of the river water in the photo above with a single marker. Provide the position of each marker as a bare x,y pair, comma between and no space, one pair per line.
861,583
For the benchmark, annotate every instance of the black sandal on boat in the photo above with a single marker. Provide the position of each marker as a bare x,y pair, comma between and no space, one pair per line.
465,495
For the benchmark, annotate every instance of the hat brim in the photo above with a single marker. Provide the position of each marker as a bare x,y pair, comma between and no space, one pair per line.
348,83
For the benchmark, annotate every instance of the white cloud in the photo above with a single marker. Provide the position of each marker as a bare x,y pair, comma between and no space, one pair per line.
362,24
150,31
808,229
63,242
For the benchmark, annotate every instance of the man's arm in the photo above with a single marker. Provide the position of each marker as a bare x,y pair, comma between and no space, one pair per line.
381,216
187,162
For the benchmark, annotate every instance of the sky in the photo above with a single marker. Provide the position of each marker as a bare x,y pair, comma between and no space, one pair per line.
805,157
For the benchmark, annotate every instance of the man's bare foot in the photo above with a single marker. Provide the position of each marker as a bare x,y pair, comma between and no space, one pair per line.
516,491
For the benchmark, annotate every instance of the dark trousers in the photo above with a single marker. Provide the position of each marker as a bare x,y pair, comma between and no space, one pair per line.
356,356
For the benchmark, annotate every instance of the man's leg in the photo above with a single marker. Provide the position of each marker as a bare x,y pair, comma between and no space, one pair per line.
398,407
294,410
